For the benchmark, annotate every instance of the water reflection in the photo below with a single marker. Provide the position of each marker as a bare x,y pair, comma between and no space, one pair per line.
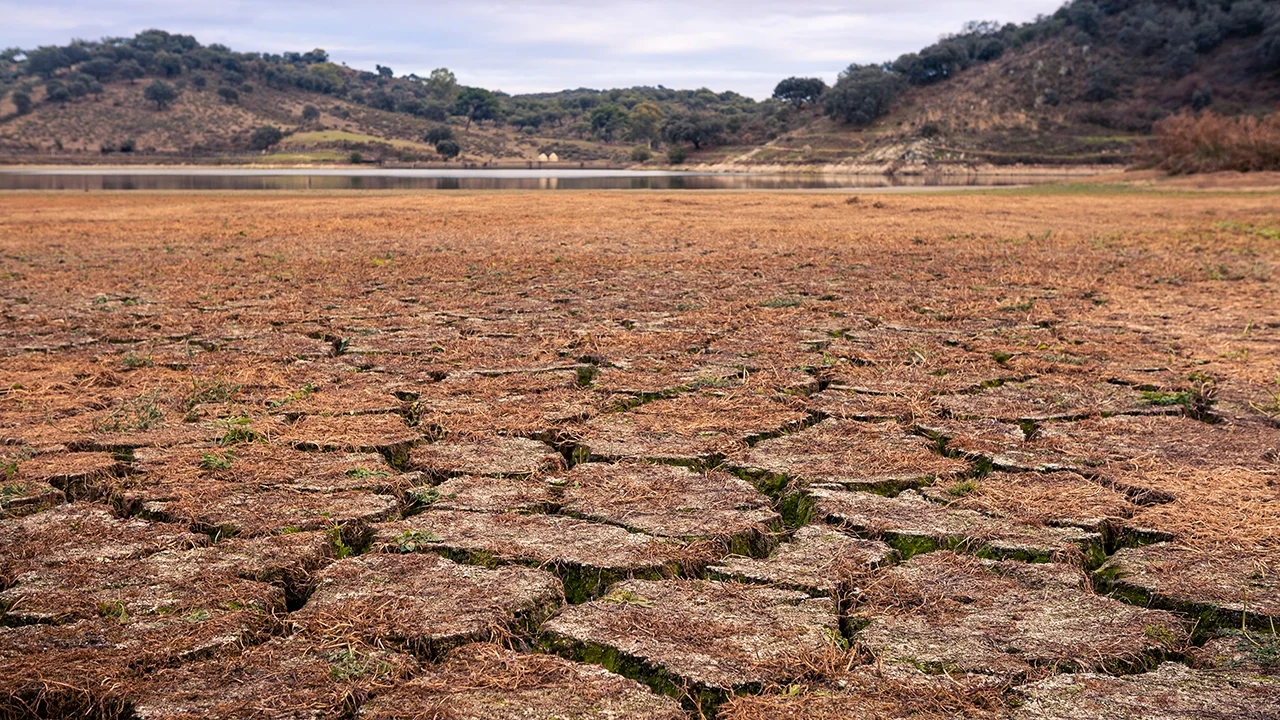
320,179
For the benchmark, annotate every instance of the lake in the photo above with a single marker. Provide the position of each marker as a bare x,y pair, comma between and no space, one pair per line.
185,178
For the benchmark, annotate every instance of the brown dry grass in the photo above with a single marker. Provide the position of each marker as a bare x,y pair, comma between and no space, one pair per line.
260,329
1209,142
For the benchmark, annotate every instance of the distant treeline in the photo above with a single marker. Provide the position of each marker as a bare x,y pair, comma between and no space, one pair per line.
173,62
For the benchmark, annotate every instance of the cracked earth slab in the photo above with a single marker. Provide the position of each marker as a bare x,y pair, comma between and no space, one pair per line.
712,638
588,556
1051,398
688,429
23,497
424,602
228,510
817,560
1059,498
1097,442
854,455
69,472
85,669
257,465
386,434
882,693
1224,585
944,612
290,678
1170,692
488,682
912,524
671,501
288,561
145,588
864,407
491,494
520,404
83,532
493,455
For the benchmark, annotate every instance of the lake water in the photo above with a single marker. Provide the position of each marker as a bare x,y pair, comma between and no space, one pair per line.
178,178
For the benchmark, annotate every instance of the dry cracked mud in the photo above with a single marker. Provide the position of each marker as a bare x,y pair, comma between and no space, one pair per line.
662,456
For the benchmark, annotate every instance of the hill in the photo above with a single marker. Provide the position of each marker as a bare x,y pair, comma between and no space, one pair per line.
1083,86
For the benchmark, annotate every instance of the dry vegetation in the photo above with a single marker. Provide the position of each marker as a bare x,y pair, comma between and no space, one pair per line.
392,455
1211,143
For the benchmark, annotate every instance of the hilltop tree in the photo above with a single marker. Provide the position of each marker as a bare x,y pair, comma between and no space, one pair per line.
863,93
442,84
799,91
265,137
476,104
100,68
384,71
130,70
161,93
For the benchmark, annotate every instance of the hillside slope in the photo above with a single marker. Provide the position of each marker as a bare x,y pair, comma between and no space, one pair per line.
1084,86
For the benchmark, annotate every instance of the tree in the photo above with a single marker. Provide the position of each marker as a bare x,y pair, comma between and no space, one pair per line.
22,101
384,71
47,60
130,70
476,104
56,92
442,84
863,93
448,149
439,134
310,113
265,136
799,91
99,68
697,130
607,120
646,122
229,95
161,93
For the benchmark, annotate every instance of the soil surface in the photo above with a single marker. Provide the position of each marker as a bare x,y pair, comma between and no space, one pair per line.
1008,454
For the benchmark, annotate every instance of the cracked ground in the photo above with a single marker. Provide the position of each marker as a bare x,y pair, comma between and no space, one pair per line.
1010,454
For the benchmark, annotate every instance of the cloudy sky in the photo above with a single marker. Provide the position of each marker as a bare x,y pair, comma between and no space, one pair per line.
543,45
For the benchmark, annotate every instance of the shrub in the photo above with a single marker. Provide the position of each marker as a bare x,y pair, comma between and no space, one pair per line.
265,136
228,95
161,93
448,149
310,113
22,102
355,158
677,155
641,154
1187,143
438,134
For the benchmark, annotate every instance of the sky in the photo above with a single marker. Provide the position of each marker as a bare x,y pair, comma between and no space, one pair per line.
521,46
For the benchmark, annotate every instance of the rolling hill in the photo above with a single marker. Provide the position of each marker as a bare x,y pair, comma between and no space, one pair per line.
1083,86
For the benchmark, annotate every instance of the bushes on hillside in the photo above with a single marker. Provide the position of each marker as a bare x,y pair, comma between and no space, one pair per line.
863,93
1209,142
